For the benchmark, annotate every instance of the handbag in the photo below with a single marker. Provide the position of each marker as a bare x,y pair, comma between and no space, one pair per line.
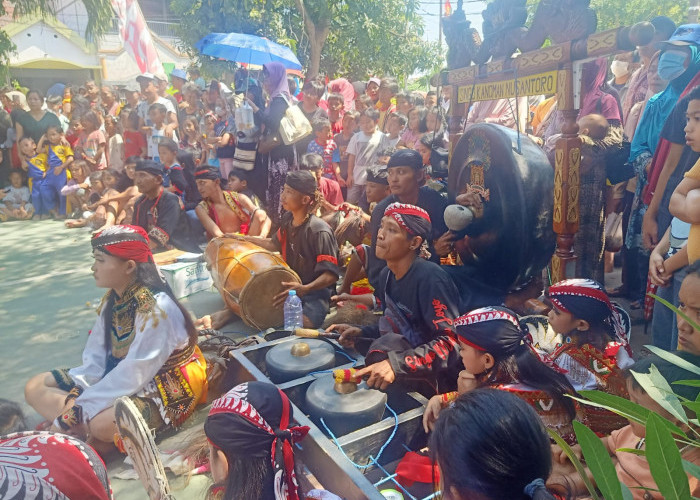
294,125
613,232
244,155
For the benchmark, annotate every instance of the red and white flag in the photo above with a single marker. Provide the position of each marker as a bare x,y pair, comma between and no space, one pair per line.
136,36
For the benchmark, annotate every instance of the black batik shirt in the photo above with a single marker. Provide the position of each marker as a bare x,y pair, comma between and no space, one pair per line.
164,221
428,301
309,249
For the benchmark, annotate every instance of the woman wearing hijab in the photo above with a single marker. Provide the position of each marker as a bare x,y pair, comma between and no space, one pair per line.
275,155
678,64
251,436
143,345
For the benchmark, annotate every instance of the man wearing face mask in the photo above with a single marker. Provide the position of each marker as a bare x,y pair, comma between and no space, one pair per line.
620,68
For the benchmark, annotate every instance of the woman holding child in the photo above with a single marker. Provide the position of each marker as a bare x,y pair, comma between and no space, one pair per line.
143,345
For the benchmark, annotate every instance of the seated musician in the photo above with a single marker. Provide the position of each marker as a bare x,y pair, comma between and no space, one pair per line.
414,338
159,212
143,345
222,211
309,247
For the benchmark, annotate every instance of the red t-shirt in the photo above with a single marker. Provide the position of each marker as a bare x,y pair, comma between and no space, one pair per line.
134,143
330,190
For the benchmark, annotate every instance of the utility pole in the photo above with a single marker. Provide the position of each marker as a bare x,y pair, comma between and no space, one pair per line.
693,10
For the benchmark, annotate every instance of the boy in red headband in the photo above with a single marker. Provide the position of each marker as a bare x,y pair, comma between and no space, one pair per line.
414,338
143,345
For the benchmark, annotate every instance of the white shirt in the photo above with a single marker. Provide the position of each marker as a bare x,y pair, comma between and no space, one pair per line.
158,334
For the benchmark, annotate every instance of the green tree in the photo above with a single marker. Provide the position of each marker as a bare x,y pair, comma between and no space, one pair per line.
99,12
616,13
335,37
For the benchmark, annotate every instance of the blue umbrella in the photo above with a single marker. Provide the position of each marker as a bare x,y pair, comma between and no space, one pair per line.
251,49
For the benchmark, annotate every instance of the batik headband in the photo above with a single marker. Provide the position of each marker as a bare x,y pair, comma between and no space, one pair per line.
125,242
473,329
207,172
251,431
585,299
402,214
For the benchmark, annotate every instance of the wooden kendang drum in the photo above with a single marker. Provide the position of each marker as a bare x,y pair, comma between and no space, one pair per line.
248,277
512,240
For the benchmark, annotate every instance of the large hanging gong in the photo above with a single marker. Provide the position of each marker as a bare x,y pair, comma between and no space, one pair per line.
513,239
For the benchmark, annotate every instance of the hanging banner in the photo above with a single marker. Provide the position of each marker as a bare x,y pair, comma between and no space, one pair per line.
136,36
541,83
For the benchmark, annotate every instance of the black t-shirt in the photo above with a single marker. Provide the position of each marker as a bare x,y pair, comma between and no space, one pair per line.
164,221
429,200
429,302
310,249
674,132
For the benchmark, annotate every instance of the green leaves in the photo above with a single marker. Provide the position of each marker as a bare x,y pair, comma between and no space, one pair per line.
665,461
576,462
655,385
599,462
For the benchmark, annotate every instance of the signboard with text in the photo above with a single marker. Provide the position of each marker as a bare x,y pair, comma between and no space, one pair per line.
538,84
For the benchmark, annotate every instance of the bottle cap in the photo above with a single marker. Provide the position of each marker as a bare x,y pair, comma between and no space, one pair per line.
292,292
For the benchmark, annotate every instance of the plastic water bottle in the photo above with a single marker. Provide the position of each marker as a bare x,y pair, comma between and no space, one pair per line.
293,312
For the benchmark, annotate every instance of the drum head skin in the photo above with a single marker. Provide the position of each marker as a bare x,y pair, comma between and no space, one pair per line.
141,448
256,297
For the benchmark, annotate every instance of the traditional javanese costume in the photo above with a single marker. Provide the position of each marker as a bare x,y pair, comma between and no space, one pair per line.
231,197
477,329
587,367
139,347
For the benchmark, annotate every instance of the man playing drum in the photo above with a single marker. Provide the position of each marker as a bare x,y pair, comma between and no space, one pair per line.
309,247
222,211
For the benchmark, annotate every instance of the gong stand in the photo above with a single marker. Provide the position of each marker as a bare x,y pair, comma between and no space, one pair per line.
570,26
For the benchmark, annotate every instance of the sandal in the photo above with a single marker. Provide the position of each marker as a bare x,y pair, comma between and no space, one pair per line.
617,292
637,304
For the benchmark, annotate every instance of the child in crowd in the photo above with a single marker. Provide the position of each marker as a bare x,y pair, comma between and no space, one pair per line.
224,141
689,294
595,344
362,152
92,142
209,121
36,165
75,128
497,352
325,146
667,268
192,140
394,128
115,144
158,131
174,178
685,201
414,131
350,123
16,199
77,188
434,124
633,469
404,103
134,141
53,104
238,182
491,446
102,184
335,113
331,196
124,200
59,157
